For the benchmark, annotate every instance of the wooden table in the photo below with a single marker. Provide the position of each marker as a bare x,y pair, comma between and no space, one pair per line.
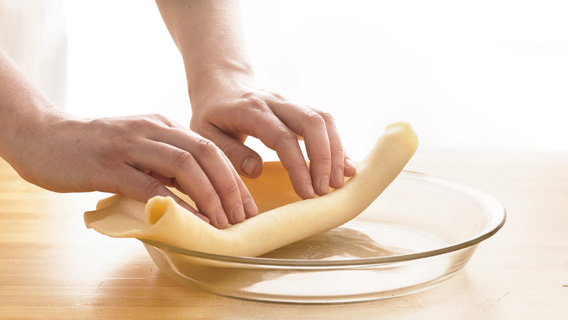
51,266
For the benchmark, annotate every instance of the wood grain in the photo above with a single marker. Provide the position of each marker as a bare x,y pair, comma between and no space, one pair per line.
52,267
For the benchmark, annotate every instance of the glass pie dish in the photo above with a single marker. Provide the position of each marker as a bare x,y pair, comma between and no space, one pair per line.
420,232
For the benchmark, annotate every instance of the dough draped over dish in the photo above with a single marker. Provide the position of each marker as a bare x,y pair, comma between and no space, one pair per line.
283,217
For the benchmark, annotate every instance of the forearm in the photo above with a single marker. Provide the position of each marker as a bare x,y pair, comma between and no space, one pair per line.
135,156
228,105
209,35
23,107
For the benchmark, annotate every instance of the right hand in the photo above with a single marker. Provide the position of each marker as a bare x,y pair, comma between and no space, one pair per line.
134,156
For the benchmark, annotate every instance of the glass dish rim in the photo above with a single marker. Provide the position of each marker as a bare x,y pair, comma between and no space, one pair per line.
491,204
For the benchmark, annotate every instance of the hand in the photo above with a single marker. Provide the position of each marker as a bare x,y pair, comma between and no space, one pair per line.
228,106
137,157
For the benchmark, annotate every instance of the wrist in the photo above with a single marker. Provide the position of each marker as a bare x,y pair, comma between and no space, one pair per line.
31,132
220,79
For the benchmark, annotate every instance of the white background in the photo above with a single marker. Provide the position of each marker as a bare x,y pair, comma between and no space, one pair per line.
483,75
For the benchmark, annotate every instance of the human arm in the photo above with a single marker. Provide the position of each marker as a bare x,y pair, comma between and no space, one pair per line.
228,105
134,156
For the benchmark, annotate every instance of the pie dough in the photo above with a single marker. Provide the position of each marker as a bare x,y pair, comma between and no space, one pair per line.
284,218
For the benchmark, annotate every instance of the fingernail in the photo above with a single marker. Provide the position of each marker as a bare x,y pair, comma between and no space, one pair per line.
222,219
338,175
309,190
324,184
250,207
238,213
349,163
249,165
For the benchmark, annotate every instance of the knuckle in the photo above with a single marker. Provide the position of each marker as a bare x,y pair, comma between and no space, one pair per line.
254,101
151,187
206,148
314,119
337,152
276,96
163,120
327,117
158,117
322,158
142,124
230,150
285,136
182,159
232,188
325,157
208,198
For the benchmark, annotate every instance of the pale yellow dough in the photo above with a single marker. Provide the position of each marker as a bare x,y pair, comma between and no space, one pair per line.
284,218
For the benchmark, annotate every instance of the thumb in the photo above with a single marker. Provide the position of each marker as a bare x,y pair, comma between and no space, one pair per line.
245,160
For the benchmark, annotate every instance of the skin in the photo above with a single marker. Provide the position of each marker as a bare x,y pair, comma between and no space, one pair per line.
228,105
134,156
141,156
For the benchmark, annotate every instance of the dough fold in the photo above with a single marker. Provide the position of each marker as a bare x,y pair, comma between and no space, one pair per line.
284,218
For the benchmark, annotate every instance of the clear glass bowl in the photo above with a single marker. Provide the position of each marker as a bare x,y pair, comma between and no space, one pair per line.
420,232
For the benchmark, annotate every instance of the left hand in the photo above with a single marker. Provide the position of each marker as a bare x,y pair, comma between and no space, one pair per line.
229,105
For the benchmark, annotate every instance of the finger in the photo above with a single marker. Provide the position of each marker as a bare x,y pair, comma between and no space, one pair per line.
245,160
241,157
167,181
170,161
249,205
277,136
350,168
336,150
142,187
236,152
212,162
312,126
